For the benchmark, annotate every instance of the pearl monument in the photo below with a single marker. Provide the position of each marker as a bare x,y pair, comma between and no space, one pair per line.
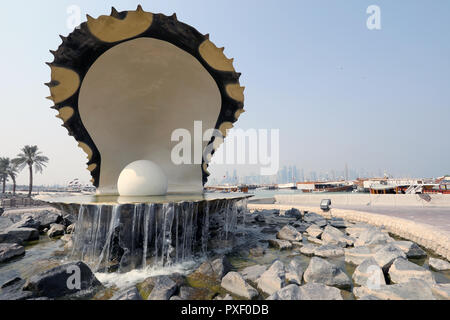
122,84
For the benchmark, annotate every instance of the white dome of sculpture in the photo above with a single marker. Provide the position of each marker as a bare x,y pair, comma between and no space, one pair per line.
142,178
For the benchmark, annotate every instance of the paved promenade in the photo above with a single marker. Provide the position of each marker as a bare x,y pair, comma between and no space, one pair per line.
438,217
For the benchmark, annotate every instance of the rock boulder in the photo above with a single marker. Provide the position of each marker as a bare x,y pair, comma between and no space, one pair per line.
289,233
321,271
10,250
273,279
66,280
236,284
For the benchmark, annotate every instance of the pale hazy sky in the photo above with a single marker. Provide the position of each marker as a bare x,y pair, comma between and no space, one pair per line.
337,91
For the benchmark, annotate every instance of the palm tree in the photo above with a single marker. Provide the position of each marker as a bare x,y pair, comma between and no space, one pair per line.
30,157
13,171
4,165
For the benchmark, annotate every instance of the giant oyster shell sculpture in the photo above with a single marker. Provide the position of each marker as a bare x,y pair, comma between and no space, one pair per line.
123,83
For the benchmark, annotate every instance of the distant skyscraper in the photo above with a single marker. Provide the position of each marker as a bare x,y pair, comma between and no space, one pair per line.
295,174
289,174
235,178
284,175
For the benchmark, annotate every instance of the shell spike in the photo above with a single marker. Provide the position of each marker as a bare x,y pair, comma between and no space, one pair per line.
114,12
139,8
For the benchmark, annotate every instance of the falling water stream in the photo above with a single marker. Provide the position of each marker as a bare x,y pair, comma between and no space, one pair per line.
122,238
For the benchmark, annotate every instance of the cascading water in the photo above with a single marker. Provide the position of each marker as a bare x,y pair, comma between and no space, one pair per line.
123,237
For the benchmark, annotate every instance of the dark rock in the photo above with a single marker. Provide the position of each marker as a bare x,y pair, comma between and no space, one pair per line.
12,290
62,281
44,217
269,230
218,268
301,226
260,218
19,235
293,213
68,220
10,250
56,230
273,211
314,218
164,288
10,282
338,222
26,222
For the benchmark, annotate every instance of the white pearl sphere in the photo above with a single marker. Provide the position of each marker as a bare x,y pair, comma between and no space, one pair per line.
142,178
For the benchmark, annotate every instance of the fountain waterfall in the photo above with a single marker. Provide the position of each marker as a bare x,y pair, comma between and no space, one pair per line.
122,237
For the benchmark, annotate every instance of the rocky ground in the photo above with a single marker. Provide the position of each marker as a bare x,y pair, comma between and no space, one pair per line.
18,228
288,255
